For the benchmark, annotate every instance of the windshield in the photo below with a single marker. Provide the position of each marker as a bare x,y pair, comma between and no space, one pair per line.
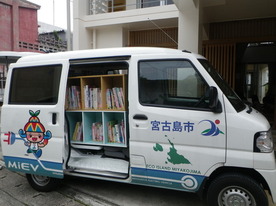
225,88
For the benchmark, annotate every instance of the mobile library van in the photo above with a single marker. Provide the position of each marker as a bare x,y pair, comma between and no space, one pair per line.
148,116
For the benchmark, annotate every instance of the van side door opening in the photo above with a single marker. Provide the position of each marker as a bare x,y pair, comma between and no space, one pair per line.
96,115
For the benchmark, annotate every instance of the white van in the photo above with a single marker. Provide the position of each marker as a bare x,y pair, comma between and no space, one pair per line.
148,116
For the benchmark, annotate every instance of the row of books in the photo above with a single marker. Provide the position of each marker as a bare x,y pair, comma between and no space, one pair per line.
115,98
116,132
73,97
92,97
78,132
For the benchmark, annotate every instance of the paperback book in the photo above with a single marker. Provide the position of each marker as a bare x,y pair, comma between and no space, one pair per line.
92,97
115,98
97,132
116,132
73,97
78,132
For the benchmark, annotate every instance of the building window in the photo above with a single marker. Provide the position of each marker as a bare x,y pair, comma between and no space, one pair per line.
151,3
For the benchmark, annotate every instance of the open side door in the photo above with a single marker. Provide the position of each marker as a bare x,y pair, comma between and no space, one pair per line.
32,118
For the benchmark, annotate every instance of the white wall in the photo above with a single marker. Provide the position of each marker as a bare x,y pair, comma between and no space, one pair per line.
81,9
188,24
131,4
109,37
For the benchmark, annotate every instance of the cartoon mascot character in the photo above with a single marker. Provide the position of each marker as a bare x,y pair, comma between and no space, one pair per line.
35,134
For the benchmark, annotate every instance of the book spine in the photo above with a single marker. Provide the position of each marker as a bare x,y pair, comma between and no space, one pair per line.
86,96
95,98
108,99
91,98
116,97
120,97
73,96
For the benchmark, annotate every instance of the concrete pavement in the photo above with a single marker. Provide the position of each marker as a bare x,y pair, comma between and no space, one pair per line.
14,190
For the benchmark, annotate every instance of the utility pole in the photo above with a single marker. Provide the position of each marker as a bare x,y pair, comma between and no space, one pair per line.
68,34
53,12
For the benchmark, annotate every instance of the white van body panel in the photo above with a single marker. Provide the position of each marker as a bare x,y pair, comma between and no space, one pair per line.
242,128
145,138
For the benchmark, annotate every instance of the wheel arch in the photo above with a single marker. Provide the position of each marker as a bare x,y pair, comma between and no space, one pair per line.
249,172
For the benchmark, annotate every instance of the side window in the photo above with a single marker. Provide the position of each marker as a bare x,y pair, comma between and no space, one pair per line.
35,85
171,83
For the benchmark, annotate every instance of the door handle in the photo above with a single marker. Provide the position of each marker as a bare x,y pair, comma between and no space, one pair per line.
54,118
140,117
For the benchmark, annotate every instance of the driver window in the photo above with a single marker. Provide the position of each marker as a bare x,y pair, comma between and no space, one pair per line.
171,83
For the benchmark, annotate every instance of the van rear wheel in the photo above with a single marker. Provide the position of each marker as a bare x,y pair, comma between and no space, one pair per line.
42,183
236,190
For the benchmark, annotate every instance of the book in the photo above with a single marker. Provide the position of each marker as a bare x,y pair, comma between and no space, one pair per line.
115,98
109,99
73,95
97,131
120,97
86,91
116,132
78,132
110,131
92,97
97,99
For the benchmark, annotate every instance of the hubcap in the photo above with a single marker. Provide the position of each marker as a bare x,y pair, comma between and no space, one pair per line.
41,180
236,196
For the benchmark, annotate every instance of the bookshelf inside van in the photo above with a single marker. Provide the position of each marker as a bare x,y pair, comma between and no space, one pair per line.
96,110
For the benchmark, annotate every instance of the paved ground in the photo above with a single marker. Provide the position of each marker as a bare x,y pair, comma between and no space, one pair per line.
15,191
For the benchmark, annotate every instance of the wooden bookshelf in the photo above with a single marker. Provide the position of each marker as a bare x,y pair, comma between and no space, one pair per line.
101,116
102,83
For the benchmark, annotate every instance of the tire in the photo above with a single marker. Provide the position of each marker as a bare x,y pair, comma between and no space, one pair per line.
43,183
236,189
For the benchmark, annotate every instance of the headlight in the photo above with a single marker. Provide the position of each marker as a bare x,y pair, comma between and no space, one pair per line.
263,142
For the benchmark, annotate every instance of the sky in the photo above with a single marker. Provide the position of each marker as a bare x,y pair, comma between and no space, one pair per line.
52,12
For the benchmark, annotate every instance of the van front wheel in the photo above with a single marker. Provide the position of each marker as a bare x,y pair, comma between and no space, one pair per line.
236,189
42,183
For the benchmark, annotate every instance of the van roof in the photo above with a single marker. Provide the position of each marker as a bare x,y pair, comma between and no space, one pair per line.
98,53
12,56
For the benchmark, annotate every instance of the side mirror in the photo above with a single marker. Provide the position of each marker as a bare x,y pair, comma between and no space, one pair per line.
214,103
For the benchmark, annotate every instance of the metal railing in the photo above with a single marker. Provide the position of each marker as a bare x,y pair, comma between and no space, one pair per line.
107,6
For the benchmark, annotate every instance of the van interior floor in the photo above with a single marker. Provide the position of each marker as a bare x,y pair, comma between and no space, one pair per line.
98,164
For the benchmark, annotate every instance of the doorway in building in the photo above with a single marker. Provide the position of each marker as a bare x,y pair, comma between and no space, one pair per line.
257,83
259,63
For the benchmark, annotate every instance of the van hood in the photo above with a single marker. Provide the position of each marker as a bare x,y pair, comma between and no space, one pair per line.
255,119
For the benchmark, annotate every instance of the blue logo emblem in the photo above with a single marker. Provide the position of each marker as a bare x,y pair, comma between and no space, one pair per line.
213,130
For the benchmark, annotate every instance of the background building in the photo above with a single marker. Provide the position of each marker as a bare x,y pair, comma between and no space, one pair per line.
20,30
237,36
18,25
51,38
